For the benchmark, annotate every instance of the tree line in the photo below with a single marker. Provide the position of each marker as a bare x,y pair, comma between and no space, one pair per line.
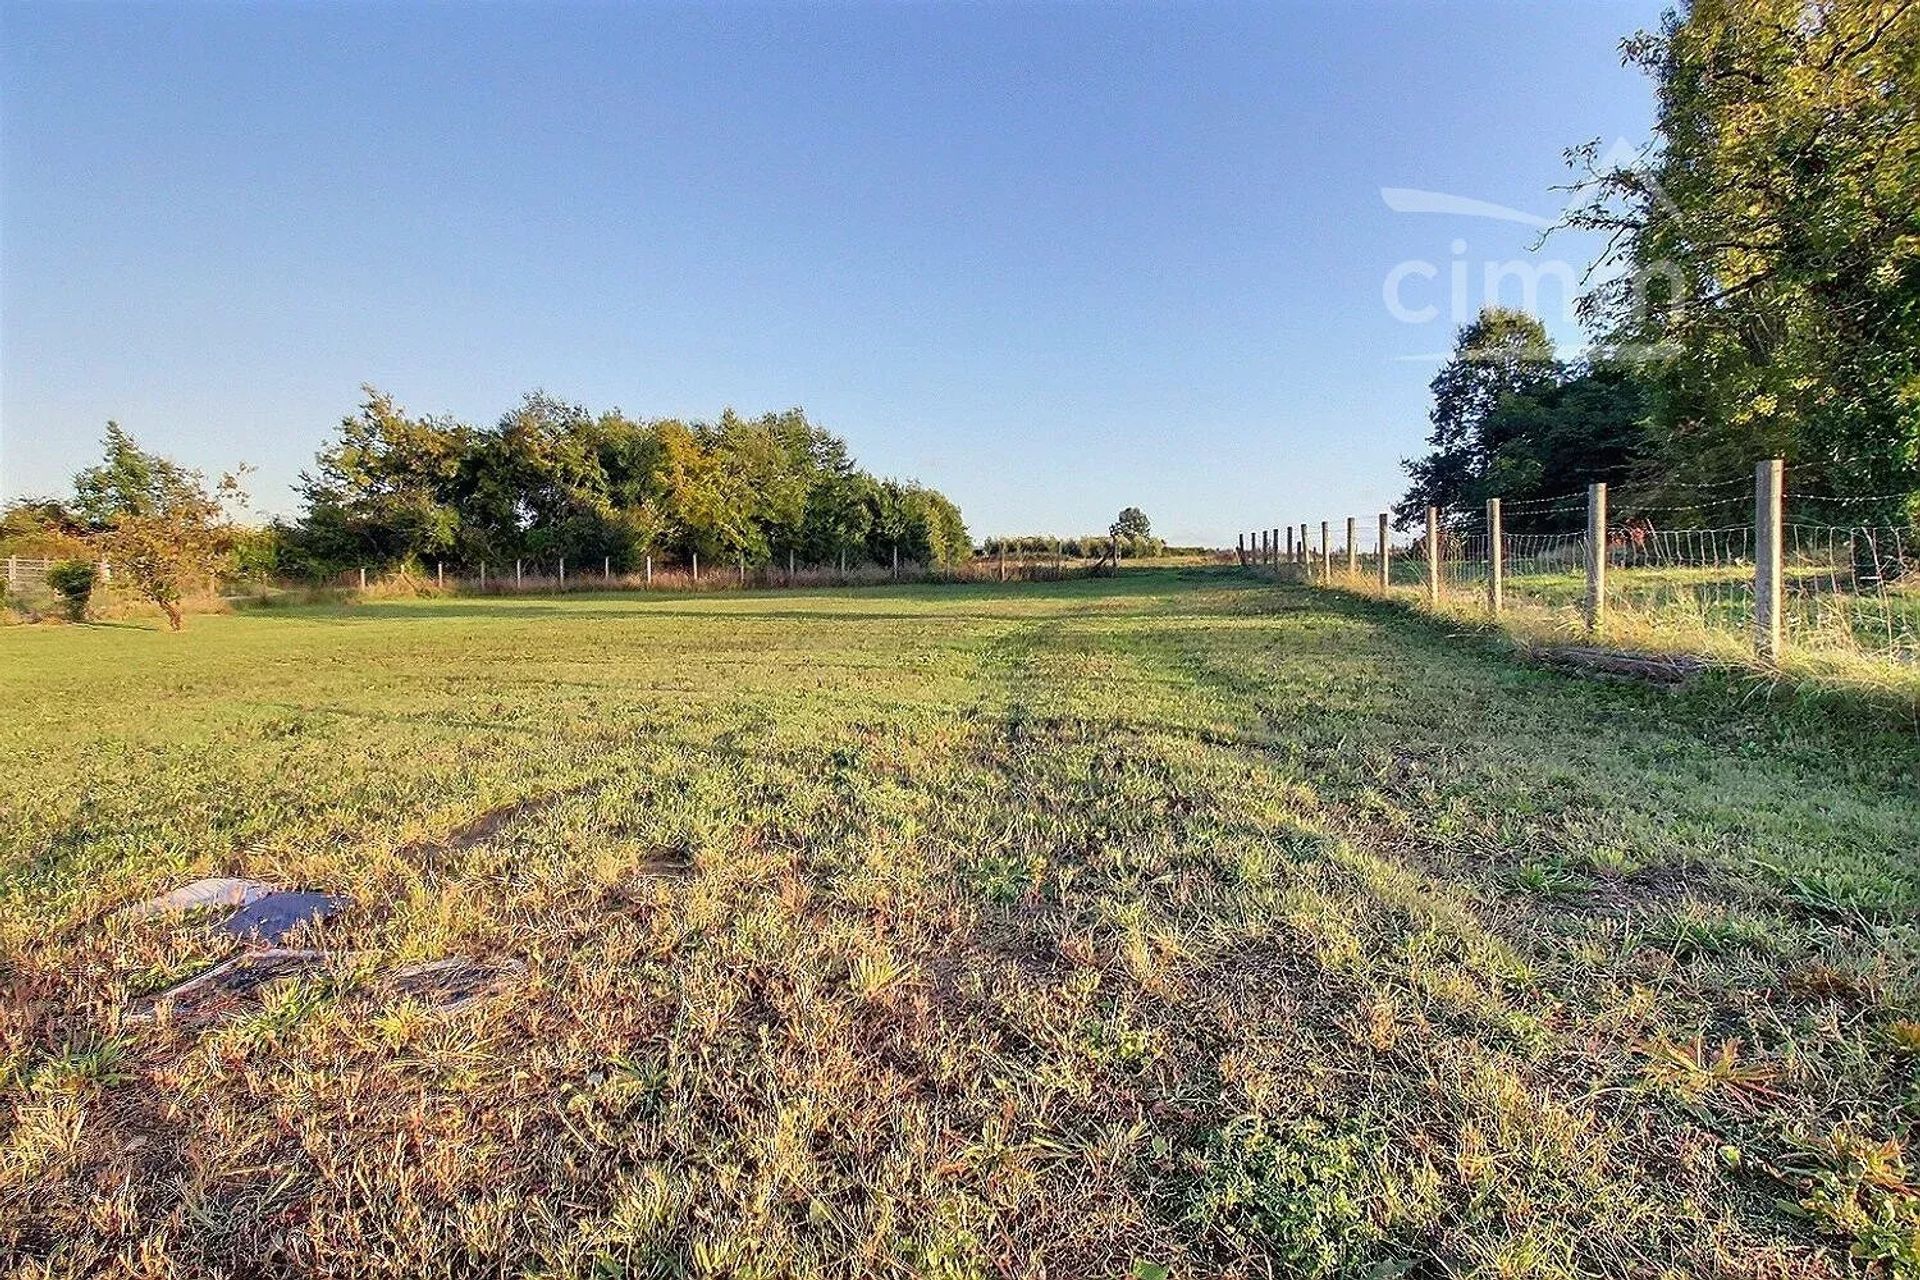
552,480
1130,536
549,481
1759,288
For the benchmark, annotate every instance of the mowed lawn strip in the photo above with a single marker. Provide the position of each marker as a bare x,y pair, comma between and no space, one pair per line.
1088,928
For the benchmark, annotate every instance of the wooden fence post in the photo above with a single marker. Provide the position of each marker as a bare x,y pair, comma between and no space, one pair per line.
483,575
363,577
789,566
1289,544
606,568
1240,549
1305,563
440,573
1326,553
1003,559
563,573
1386,552
1596,557
743,568
896,562
1276,552
1496,559
516,575
1353,552
696,566
1769,561
1433,557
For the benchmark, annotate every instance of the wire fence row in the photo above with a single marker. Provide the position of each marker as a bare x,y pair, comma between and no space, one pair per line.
1771,580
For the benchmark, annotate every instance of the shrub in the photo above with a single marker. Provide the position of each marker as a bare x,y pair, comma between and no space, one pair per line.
73,581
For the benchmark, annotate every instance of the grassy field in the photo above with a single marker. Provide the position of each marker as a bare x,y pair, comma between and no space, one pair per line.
1168,925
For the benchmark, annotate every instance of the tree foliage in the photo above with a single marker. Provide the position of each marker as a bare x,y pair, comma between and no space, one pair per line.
44,528
1501,353
553,480
1132,523
1759,290
1512,421
1765,257
162,529
1086,546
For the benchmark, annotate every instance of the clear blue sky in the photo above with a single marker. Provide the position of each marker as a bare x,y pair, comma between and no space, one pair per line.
1051,259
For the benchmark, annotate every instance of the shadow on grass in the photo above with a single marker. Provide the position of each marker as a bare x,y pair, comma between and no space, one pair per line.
861,603
1742,707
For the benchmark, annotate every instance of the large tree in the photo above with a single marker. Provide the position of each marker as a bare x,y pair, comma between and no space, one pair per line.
1558,438
1502,353
384,490
1765,254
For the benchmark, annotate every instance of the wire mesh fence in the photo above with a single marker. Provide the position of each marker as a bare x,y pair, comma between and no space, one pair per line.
1712,572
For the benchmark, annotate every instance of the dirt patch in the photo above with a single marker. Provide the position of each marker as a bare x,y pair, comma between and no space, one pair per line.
487,824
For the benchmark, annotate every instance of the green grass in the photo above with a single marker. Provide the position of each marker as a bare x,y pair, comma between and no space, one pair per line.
1170,921
1864,641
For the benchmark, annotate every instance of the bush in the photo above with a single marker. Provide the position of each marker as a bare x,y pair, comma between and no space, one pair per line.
73,581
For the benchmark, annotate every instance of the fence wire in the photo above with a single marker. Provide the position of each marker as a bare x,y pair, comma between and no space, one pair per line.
1679,577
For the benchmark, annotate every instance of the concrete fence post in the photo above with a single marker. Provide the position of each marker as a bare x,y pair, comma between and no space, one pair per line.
363,577
483,575
1496,559
743,568
1003,559
649,569
1304,560
789,566
440,573
1769,560
1240,549
606,568
1276,552
696,566
517,577
896,562
1289,544
1596,557
1433,557
563,573
1386,554
1353,552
